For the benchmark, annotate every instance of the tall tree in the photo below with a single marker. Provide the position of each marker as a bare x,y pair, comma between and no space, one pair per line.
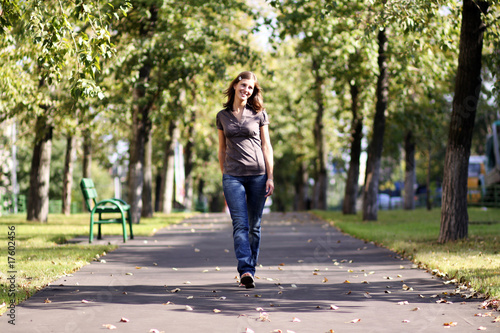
141,122
351,187
321,185
370,193
454,216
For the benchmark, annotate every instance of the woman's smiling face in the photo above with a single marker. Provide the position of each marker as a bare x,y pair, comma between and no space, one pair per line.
244,89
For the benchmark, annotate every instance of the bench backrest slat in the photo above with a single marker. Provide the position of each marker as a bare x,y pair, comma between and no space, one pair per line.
89,193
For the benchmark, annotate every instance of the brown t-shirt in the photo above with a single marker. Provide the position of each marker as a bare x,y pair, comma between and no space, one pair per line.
244,156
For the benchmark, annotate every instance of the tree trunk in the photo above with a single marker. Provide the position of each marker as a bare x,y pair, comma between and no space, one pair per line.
87,154
68,175
38,197
454,217
409,201
87,159
351,186
167,184
321,184
428,200
147,193
370,193
158,180
189,154
140,132
301,177
141,125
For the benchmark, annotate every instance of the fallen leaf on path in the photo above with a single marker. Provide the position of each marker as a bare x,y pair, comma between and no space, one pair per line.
137,267
168,303
442,300
277,331
264,316
175,269
129,273
226,250
367,295
187,282
403,303
496,320
249,330
481,328
415,309
196,250
217,311
258,296
190,297
406,321
217,269
450,324
293,285
154,330
176,290
288,331
188,308
406,288
354,321
259,309
85,301
296,320
124,320
325,280
347,281
109,326
334,307
205,271
47,301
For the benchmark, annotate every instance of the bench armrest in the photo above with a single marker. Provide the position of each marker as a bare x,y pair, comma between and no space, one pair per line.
111,201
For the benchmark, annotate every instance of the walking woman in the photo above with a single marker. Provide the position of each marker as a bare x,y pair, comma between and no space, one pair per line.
246,162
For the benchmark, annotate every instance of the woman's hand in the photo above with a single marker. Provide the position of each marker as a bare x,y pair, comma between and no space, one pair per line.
269,187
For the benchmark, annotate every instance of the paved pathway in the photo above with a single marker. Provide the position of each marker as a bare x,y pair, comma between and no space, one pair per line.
312,279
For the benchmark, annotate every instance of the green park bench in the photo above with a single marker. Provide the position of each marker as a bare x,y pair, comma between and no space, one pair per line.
107,206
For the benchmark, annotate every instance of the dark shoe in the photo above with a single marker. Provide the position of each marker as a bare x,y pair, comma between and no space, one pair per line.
247,280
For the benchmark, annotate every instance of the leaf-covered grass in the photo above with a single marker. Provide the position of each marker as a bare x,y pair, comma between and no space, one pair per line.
42,254
414,234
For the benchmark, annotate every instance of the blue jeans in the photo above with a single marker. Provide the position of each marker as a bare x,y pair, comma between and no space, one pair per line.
245,197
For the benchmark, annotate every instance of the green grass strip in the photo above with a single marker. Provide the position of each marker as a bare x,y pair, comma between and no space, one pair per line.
41,252
413,234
